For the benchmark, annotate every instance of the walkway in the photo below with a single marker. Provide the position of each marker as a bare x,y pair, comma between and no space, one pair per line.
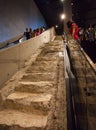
84,91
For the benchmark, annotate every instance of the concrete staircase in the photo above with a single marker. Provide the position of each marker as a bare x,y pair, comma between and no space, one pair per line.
27,107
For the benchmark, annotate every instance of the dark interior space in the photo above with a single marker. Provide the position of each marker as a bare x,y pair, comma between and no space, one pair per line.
83,11
51,10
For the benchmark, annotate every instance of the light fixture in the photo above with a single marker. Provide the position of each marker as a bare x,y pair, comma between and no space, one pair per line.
56,26
71,3
62,0
63,16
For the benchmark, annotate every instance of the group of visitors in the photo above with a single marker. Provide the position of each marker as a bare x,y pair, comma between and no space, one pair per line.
88,34
82,34
32,33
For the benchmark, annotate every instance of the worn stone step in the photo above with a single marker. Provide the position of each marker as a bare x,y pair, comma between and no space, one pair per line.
51,51
40,58
43,66
34,77
46,54
44,63
27,102
42,69
35,87
15,120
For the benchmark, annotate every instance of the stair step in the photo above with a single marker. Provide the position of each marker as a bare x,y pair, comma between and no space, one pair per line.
46,58
46,53
42,68
15,120
34,77
35,87
27,102
44,63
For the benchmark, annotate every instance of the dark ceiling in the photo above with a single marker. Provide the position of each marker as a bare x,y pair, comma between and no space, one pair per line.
51,10
82,11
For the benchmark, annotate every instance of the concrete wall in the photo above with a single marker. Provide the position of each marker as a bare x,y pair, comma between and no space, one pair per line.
16,15
68,13
14,57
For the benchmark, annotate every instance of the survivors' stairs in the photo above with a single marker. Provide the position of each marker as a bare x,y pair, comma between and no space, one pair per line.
28,106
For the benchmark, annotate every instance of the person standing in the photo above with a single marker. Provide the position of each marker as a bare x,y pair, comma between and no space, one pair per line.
30,33
95,34
91,34
27,34
73,29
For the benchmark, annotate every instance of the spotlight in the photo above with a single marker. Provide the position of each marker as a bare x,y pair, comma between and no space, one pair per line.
62,0
56,26
63,16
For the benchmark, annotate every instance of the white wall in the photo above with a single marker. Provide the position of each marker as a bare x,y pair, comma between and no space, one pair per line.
12,58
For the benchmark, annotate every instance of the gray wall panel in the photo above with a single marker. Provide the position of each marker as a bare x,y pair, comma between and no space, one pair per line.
16,15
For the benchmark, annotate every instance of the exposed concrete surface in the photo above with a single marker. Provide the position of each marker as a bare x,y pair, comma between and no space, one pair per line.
15,120
35,97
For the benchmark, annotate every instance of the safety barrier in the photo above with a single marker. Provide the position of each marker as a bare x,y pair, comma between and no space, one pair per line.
70,84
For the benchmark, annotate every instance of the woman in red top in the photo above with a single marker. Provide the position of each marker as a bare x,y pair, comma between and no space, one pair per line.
75,31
